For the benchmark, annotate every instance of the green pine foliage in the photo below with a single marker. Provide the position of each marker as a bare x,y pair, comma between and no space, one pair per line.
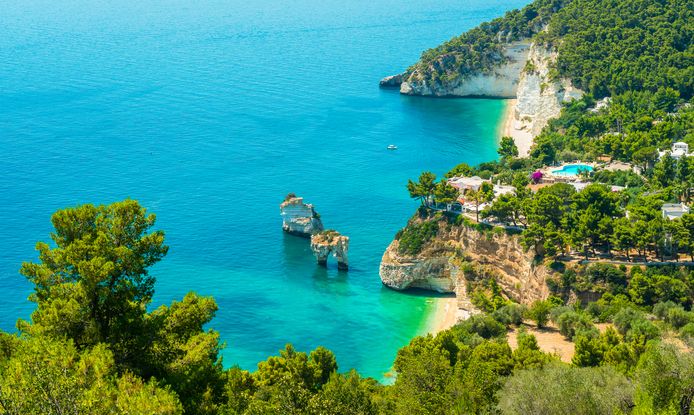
166,361
480,49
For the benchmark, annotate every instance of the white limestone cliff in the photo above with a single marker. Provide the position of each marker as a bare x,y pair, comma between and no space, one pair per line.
299,218
539,98
524,76
498,82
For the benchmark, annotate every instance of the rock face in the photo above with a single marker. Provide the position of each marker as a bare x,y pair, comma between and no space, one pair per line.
540,98
499,82
523,75
458,255
393,81
327,242
432,273
299,218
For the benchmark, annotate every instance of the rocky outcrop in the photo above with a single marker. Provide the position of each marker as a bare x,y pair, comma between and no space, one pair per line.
393,81
330,242
500,81
523,74
459,255
299,218
539,97
428,272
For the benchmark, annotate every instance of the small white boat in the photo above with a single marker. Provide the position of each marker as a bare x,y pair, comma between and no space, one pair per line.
392,147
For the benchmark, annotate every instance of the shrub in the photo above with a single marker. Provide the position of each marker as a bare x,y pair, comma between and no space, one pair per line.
687,330
605,274
678,318
481,300
511,313
661,309
665,377
539,312
642,330
414,236
625,318
570,322
484,325
561,389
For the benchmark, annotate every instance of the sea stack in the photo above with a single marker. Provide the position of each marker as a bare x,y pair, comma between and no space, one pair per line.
327,242
299,218
393,81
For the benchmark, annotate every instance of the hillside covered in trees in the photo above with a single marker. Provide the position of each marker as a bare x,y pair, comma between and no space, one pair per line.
606,47
91,346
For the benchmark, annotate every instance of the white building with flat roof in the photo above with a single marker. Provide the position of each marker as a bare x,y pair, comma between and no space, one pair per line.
679,149
467,183
674,210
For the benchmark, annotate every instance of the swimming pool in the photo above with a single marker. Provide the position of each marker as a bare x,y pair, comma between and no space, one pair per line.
572,169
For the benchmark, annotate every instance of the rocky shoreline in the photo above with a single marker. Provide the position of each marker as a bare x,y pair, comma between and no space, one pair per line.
524,78
457,258
534,98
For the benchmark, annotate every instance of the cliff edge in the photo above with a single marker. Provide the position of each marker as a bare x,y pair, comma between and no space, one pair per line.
506,58
458,257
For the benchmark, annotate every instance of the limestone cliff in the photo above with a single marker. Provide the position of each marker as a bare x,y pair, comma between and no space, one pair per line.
539,97
299,218
393,81
460,254
330,242
523,73
500,81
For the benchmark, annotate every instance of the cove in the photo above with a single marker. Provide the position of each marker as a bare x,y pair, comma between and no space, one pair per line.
208,113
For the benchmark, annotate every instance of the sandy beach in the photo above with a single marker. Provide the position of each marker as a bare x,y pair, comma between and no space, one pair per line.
509,128
445,314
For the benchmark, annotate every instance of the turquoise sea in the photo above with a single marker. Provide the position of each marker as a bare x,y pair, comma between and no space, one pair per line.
208,113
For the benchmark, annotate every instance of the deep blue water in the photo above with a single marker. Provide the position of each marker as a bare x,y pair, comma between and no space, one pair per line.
208,113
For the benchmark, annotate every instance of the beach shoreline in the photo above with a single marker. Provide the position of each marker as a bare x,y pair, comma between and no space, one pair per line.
445,312
444,315
507,128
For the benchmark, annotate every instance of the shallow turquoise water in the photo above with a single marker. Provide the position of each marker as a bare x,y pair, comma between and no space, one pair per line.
572,169
209,113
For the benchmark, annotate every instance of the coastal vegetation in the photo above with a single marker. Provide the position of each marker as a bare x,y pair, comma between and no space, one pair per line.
626,322
480,49
96,345
92,347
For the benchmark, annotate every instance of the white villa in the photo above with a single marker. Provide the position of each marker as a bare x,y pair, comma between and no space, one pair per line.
674,210
465,184
603,103
679,150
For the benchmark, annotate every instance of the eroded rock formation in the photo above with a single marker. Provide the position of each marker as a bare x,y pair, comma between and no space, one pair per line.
500,81
330,242
299,218
459,255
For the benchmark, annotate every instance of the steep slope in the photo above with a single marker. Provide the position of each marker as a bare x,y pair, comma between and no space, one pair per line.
460,255
497,59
